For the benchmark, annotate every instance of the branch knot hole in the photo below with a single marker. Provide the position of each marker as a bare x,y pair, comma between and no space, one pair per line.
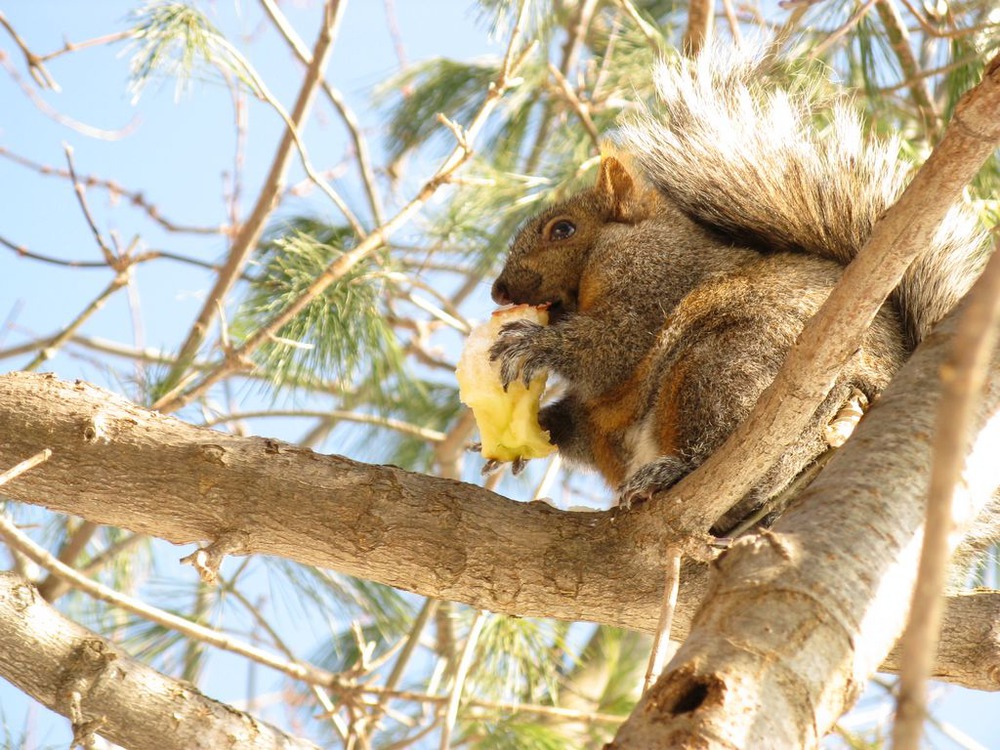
95,430
686,692
691,699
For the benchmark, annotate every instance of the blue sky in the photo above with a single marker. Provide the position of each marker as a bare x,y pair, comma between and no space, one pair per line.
177,154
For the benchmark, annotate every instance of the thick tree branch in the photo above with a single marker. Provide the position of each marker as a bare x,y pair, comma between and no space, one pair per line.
117,464
102,690
801,616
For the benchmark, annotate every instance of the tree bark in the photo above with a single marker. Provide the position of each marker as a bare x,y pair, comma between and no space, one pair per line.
800,617
701,20
118,464
104,691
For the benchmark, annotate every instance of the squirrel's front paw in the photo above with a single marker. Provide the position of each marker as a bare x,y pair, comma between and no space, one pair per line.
515,351
658,475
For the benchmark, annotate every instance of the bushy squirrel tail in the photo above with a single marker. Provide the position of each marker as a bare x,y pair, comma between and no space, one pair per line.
784,169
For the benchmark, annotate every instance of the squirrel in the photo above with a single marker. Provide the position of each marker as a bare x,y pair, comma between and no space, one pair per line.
676,285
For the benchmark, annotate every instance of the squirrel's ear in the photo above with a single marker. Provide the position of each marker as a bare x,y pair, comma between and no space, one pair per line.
615,184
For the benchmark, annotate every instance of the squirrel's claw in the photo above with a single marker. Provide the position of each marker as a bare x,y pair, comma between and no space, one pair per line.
514,350
493,464
658,475
490,466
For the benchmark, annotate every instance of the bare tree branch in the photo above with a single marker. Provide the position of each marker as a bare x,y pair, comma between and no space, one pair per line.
102,690
963,376
250,232
118,464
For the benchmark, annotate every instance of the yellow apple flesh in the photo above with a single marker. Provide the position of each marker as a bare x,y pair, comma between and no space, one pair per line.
507,420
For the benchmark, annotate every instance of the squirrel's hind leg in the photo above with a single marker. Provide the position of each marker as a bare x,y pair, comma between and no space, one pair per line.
707,381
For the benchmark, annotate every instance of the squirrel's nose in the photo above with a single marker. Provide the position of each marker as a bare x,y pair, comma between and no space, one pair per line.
500,293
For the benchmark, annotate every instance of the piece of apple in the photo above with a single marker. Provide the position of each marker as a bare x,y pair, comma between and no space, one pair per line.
507,420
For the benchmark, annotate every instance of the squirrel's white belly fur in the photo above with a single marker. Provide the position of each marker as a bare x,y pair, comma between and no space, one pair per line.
640,441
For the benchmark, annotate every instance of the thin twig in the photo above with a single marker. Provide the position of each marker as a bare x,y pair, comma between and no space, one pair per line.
394,33
24,252
985,28
49,111
51,588
110,258
111,552
548,478
963,377
347,115
69,46
26,465
180,396
34,63
240,117
320,694
405,428
464,665
851,22
930,73
577,28
497,706
653,35
293,129
143,257
405,653
578,106
661,640
133,197
54,344
734,24
448,312
26,546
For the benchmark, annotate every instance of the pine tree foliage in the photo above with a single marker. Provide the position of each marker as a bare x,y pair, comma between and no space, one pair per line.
340,331
175,40
366,367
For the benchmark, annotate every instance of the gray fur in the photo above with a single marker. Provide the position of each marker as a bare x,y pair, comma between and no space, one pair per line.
746,160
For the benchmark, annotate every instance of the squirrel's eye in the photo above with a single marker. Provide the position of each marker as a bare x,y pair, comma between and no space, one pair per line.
561,229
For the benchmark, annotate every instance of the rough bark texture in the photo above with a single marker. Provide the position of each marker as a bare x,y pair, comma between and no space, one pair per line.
70,669
118,464
799,618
